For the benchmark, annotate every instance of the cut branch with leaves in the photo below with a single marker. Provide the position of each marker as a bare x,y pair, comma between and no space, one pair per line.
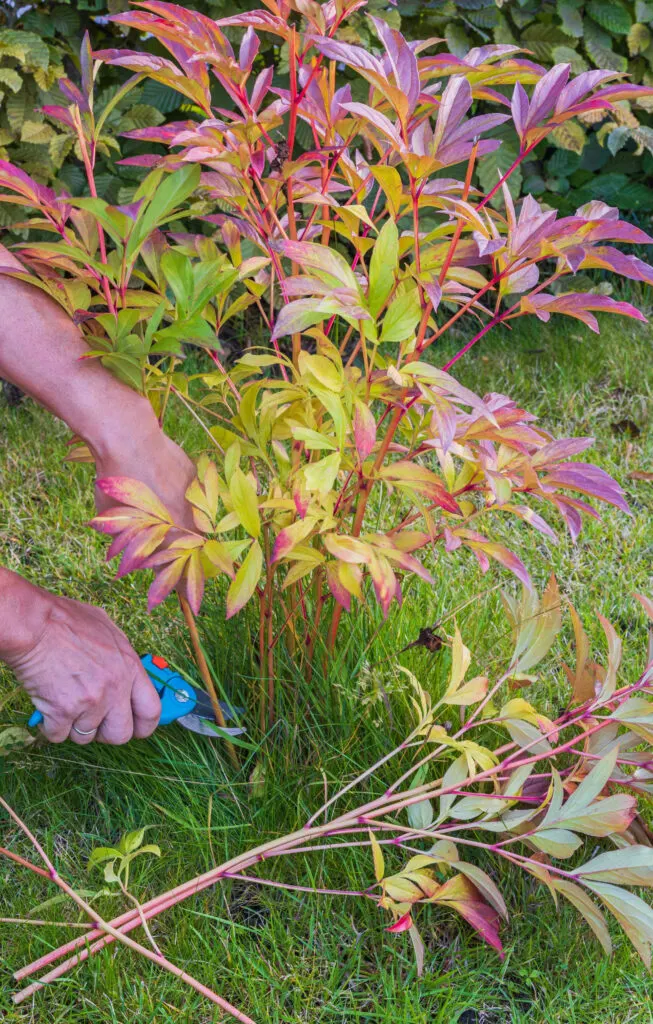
528,791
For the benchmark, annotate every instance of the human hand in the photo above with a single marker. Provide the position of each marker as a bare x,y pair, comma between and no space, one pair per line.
78,668
151,457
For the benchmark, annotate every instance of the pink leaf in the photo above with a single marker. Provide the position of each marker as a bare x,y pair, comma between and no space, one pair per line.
364,430
403,924
588,479
376,118
249,47
546,94
192,583
165,582
459,893
338,590
578,305
144,543
519,109
135,494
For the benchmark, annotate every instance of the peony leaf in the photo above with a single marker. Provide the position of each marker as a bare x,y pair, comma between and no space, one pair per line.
557,842
246,580
320,476
242,489
633,914
384,264
614,660
134,494
585,906
412,476
402,317
631,866
461,895
364,426
485,886
377,855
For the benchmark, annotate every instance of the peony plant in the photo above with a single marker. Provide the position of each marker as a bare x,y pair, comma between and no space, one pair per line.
339,204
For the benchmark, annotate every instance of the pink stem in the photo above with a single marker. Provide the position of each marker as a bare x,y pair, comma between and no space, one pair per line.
296,888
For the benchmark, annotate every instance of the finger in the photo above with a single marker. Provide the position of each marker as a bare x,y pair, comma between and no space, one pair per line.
84,729
118,726
55,728
146,705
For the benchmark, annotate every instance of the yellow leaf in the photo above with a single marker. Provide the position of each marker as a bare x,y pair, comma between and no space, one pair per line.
245,581
320,476
460,659
377,855
243,494
324,371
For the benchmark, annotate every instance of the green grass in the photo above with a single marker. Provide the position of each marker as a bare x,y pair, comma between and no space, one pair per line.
291,957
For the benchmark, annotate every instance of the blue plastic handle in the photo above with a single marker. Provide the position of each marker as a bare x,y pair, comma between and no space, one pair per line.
178,697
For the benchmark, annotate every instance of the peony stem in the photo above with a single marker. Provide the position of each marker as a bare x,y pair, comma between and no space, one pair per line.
200,661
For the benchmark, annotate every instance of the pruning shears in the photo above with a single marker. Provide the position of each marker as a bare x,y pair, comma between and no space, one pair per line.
180,701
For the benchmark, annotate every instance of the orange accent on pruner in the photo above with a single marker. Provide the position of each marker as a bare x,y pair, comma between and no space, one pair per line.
159,661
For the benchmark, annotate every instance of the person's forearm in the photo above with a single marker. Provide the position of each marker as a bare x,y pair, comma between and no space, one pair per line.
40,351
23,614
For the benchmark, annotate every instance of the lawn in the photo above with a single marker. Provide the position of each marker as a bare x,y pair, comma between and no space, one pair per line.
293,957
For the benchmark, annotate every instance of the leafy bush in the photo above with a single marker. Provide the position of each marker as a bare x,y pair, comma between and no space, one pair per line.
363,255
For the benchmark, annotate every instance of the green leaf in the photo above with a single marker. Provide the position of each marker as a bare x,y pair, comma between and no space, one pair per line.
569,136
639,39
324,370
402,317
565,55
377,856
103,853
384,263
541,37
170,194
599,47
571,17
390,181
178,271
536,623
11,79
592,785
610,15
320,476
557,842
131,841
313,440
126,368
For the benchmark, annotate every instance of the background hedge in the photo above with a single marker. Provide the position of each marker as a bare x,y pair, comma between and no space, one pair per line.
40,43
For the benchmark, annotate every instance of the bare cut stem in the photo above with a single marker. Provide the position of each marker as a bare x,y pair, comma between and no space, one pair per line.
200,661
104,926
